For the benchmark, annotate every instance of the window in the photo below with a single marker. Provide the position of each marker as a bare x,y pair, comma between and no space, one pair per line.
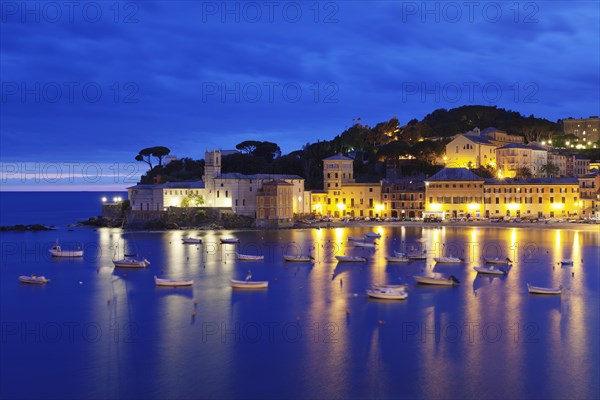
226,193
370,190
218,194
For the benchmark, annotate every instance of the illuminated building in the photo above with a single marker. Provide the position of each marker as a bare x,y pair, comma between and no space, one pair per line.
275,204
453,193
403,197
343,196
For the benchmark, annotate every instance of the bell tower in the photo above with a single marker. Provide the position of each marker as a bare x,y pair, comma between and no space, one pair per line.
212,169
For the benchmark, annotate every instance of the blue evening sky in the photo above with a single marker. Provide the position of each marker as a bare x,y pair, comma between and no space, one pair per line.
94,82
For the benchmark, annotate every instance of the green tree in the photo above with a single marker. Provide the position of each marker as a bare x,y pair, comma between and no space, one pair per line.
523,173
550,170
192,200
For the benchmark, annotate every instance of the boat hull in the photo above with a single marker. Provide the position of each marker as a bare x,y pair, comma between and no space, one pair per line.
496,261
443,260
131,264
244,257
425,280
489,271
397,259
364,244
172,283
62,253
387,295
297,259
37,280
351,259
249,284
542,290
230,241
191,241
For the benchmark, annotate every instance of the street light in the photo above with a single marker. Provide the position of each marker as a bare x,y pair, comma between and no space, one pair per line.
104,199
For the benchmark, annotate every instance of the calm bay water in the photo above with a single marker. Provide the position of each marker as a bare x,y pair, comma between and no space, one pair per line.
97,332
51,208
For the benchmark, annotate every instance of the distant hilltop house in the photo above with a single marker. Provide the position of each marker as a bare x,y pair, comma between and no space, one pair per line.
587,130
508,154
232,191
477,148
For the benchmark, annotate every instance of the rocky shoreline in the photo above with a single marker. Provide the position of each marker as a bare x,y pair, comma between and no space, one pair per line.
26,228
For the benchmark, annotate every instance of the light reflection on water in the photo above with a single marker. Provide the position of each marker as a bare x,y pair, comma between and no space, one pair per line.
313,333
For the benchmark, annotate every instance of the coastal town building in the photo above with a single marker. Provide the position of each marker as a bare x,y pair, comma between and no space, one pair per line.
587,130
459,193
501,138
403,197
532,197
234,191
453,193
589,186
470,150
512,157
275,202
343,196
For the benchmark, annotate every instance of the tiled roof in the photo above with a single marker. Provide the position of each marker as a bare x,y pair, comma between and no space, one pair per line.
277,182
454,174
521,146
531,181
338,157
491,129
236,175
479,139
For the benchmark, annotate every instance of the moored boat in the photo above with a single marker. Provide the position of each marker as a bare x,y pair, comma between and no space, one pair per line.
374,235
36,280
397,259
448,260
365,244
566,262
543,290
490,270
57,251
230,240
350,259
355,238
289,258
496,260
191,241
247,257
131,261
387,294
248,284
172,282
437,280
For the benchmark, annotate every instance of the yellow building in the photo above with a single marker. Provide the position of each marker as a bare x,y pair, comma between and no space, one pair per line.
470,151
343,196
535,197
514,156
589,187
454,193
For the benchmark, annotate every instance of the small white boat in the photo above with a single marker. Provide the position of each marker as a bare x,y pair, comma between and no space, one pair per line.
496,260
297,258
247,257
365,244
355,238
350,259
57,251
397,259
230,240
36,280
130,261
416,257
372,235
172,282
544,290
448,260
248,284
191,241
566,262
437,280
387,294
490,270
392,287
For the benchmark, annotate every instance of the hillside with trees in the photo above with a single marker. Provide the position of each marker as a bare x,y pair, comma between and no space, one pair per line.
418,144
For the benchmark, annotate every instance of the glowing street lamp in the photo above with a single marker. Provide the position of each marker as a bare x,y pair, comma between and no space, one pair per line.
104,199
